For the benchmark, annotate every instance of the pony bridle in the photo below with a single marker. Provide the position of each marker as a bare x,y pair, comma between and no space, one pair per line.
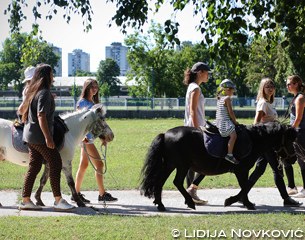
97,127
283,148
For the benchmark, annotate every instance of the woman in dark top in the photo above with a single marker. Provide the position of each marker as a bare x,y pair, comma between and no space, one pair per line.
38,116
296,86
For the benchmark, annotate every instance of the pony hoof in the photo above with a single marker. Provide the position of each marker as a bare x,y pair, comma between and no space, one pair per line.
228,202
161,208
191,205
251,206
40,203
81,204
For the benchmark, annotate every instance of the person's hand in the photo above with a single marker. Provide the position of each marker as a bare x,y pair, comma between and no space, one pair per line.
104,142
50,142
54,95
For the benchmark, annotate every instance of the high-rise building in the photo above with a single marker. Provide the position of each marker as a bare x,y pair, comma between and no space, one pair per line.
78,60
58,67
118,53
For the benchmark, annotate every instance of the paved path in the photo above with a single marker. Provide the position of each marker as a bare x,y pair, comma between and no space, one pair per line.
132,203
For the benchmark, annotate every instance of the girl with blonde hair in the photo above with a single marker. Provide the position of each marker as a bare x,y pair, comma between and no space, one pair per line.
265,111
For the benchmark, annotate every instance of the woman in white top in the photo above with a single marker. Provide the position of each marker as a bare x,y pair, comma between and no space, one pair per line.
195,115
265,111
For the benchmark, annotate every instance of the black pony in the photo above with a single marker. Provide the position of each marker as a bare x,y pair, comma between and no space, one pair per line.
183,148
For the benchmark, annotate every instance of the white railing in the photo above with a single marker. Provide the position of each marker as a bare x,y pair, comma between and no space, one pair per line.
127,103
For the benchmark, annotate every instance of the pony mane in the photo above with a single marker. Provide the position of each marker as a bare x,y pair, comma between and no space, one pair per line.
265,129
66,115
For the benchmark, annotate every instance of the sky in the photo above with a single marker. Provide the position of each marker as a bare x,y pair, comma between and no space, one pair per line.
71,36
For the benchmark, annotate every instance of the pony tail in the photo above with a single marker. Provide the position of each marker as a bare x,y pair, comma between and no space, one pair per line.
152,168
189,77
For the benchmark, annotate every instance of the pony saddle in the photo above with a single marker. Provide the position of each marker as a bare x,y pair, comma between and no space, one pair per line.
217,146
60,128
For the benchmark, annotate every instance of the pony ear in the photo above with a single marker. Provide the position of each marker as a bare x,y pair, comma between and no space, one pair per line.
99,108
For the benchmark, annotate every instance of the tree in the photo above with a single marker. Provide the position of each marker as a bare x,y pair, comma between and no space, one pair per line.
276,64
19,52
106,75
148,58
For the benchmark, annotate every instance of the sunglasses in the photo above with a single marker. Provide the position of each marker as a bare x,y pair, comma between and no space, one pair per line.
289,84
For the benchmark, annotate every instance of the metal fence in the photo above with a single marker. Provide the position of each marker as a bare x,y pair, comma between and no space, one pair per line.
123,103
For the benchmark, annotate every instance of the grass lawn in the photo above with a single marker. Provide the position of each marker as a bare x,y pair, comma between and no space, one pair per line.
125,156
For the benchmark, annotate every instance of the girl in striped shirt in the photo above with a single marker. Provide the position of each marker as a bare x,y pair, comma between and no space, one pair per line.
225,117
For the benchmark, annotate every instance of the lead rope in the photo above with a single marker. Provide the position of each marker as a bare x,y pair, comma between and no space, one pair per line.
104,154
287,113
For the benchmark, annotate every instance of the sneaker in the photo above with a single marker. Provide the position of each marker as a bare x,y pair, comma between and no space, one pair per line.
82,197
106,198
292,191
63,205
231,159
29,206
300,194
289,202
196,199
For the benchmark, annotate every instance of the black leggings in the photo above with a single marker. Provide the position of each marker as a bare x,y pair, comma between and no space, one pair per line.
269,157
37,153
191,175
301,161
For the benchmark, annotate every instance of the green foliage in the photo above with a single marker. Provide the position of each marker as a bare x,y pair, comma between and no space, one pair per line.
105,90
19,52
106,75
81,73
81,7
75,90
157,68
275,64
228,28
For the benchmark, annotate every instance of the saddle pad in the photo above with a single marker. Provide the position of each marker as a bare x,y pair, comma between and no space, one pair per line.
18,144
60,128
217,146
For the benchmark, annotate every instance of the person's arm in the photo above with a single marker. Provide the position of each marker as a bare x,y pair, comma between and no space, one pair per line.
258,116
299,110
193,106
21,109
230,110
42,119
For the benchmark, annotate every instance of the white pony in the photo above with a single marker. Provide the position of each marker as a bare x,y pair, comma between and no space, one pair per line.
79,124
